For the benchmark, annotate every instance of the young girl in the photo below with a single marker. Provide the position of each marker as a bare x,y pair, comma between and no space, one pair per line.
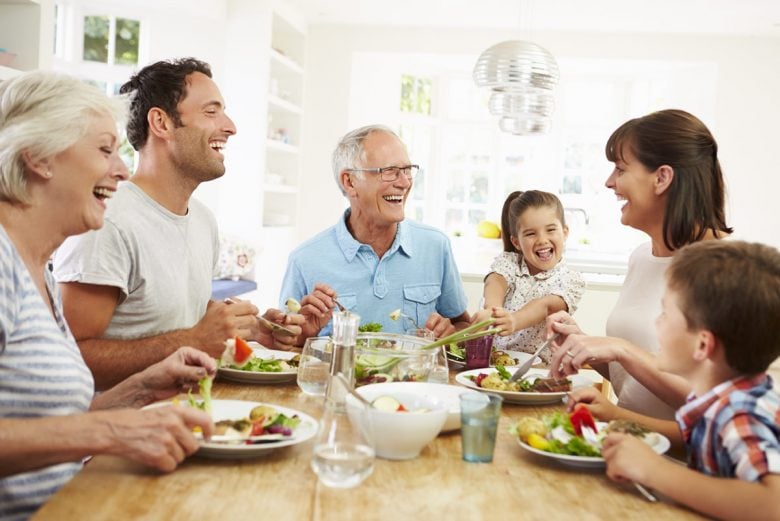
529,279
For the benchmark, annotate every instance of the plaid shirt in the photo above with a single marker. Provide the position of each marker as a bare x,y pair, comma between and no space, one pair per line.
734,429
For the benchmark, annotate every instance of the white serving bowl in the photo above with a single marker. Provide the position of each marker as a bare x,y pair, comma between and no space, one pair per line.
400,435
449,395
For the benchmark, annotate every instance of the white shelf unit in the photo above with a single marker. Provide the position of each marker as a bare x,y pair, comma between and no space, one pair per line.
285,114
27,30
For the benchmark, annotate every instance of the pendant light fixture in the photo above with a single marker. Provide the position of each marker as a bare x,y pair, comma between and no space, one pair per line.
521,76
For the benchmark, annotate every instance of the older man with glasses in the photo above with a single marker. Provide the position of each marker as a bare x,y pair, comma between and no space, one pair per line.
374,260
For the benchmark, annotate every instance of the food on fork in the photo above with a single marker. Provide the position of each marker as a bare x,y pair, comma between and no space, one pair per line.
293,306
237,353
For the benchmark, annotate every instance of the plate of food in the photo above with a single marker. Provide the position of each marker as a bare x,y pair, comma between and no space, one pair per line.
250,429
575,439
249,362
456,357
533,388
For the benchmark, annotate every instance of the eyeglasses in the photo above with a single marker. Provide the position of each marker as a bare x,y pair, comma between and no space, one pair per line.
390,173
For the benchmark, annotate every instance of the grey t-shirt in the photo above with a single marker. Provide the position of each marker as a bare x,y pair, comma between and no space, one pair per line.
161,262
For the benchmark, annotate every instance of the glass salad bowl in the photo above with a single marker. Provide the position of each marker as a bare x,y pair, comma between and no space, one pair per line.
388,357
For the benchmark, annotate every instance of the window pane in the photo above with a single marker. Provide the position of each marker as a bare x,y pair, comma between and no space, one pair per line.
126,41
96,38
416,94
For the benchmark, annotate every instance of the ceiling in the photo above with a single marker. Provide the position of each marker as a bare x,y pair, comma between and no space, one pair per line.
744,17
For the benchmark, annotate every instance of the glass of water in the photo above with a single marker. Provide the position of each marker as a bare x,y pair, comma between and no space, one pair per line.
313,369
343,454
440,373
479,413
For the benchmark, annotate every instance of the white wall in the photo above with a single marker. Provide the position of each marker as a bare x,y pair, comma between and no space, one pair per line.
744,125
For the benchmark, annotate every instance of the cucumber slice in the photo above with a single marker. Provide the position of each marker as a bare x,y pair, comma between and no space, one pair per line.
386,403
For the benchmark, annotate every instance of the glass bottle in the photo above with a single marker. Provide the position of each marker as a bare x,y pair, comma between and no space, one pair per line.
343,450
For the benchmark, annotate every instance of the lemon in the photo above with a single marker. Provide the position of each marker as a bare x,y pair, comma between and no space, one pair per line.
538,442
488,230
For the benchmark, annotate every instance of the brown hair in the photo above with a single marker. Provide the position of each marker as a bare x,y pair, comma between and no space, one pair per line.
697,195
518,202
162,84
732,288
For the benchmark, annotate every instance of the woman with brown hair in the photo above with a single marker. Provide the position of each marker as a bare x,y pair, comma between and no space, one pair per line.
667,172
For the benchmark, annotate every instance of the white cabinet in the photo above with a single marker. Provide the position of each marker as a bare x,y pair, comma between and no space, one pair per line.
281,180
27,30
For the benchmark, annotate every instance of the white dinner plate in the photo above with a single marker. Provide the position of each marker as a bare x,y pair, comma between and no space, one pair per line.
237,409
577,380
461,364
447,394
658,442
256,377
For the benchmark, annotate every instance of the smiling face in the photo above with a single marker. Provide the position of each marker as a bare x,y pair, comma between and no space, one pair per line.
197,147
677,341
540,237
84,175
374,202
633,183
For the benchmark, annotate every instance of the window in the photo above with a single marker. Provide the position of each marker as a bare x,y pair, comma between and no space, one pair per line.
468,166
101,45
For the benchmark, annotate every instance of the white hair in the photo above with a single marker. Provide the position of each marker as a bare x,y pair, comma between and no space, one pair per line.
44,113
350,152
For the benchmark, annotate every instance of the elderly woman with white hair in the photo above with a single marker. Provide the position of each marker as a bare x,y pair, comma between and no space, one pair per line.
58,166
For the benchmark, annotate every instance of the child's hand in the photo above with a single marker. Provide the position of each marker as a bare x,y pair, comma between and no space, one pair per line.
601,408
504,321
628,458
482,314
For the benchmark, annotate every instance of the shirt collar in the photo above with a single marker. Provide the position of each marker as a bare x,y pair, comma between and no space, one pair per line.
542,275
350,246
695,407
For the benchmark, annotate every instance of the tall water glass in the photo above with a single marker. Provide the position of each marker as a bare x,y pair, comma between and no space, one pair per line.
313,369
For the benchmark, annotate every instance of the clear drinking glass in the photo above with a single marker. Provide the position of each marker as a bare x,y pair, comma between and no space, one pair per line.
440,373
479,413
314,367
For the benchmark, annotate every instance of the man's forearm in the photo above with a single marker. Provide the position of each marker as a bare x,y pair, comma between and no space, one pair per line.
113,360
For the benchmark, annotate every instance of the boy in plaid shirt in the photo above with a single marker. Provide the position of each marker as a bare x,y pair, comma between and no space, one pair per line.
720,329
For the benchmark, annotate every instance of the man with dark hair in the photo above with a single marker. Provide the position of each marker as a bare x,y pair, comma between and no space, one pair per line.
139,288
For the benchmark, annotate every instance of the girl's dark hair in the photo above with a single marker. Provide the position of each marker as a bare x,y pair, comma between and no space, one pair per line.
518,202
697,195
162,85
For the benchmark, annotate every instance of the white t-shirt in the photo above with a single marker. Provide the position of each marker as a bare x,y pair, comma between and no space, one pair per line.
522,287
633,318
161,262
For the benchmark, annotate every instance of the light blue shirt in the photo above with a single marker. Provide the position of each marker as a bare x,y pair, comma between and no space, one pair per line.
417,275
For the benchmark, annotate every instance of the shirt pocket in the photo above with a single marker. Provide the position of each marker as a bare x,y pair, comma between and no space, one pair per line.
420,301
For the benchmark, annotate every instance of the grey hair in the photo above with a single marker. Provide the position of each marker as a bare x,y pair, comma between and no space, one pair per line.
44,113
350,153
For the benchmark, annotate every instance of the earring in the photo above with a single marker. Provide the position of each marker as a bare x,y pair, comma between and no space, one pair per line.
47,175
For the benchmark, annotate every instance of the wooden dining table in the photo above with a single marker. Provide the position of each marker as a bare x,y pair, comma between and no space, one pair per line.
281,485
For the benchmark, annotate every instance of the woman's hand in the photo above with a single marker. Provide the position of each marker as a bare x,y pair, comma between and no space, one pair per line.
578,350
562,324
179,372
598,405
160,437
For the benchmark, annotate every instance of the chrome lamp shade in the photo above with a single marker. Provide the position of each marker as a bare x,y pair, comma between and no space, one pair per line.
522,76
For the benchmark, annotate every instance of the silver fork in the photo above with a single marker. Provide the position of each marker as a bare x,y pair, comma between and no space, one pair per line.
520,372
